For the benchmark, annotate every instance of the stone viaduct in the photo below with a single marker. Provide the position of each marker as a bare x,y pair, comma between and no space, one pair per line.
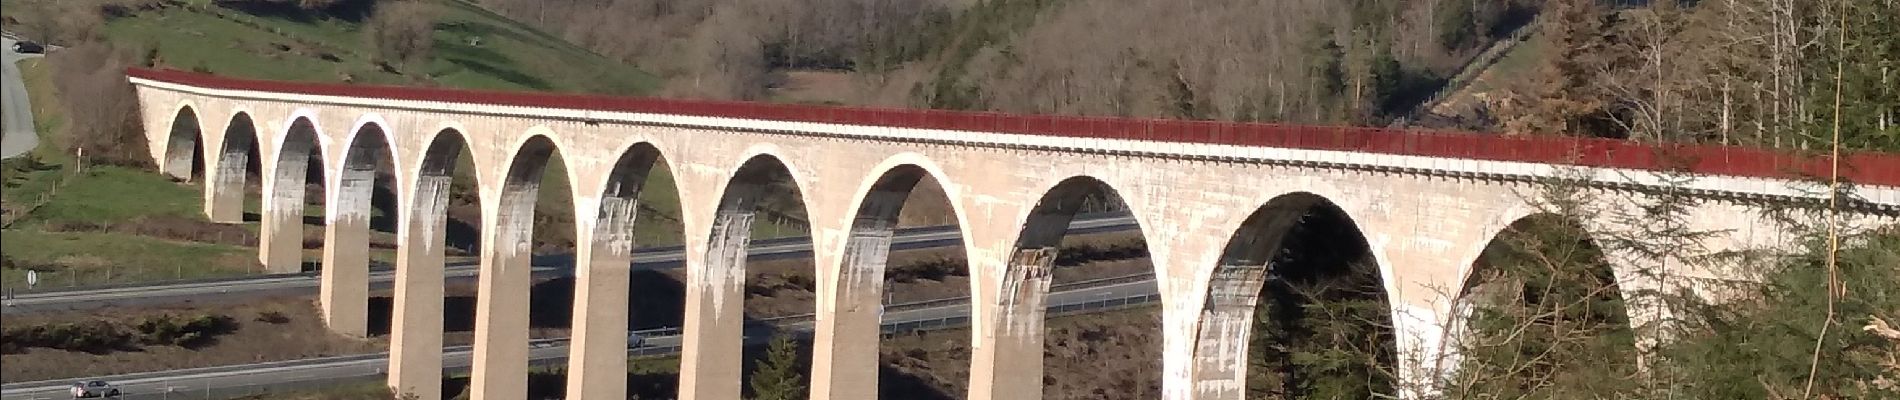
1213,201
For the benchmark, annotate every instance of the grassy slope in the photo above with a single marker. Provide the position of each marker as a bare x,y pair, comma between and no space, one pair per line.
509,56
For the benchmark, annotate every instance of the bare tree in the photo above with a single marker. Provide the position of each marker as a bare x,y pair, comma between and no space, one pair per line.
402,32
100,104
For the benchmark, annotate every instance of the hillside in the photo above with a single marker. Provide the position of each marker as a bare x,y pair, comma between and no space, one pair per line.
472,47
162,235
1366,61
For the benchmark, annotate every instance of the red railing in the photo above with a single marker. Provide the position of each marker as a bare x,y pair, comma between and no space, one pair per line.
1865,168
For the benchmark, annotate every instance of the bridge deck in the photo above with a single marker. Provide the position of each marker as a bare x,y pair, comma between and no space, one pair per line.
1865,168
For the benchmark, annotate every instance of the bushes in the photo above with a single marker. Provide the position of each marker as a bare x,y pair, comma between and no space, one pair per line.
402,32
168,227
272,317
96,337
100,104
188,333
100,337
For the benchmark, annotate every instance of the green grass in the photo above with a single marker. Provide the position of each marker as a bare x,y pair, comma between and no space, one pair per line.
85,258
28,177
349,391
509,56
1518,64
109,194
224,41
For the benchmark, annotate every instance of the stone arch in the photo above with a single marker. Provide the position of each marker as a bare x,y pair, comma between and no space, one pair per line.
417,314
1273,253
502,319
619,197
1536,260
184,157
603,290
1029,289
284,204
351,203
850,327
716,293
236,161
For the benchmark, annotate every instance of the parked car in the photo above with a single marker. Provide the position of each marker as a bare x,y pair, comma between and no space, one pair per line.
634,340
94,389
27,47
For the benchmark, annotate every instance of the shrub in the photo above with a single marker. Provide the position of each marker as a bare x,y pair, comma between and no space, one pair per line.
100,104
272,317
176,331
402,33
92,337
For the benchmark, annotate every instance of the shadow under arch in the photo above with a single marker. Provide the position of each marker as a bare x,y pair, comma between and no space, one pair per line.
1325,325
237,162
418,312
502,320
1040,281
184,156
864,286
716,331
366,178
287,199
1542,285
611,291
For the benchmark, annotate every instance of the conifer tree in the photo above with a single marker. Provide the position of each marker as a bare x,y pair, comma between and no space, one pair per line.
777,376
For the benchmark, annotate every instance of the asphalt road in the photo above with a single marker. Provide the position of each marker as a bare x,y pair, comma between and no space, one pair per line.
18,138
239,380
556,266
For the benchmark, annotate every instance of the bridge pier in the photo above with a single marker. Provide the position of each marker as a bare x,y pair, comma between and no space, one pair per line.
1219,368
597,360
224,182
1010,367
280,235
345,275
416,320
500,369
845,362
712,343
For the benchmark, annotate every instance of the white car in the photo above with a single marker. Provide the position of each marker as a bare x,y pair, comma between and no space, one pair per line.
94,389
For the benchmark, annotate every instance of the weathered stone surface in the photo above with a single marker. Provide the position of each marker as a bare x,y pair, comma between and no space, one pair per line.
1425,231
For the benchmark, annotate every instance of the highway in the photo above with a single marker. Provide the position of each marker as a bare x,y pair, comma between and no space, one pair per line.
556,266
240,380
18,137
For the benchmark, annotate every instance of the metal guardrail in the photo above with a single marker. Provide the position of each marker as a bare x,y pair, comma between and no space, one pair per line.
204,388
956,301
74,286
950,322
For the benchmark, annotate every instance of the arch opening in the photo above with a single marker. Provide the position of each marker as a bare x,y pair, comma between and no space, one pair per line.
527,235
627,296
1297,309
428,308
744,298
902,259
184,156
297,182
1080,253
1541,314
360,226
766,202
238,164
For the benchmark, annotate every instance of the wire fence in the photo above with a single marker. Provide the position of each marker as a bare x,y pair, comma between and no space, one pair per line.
215,387
9,215
890,329
956,301
106,276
